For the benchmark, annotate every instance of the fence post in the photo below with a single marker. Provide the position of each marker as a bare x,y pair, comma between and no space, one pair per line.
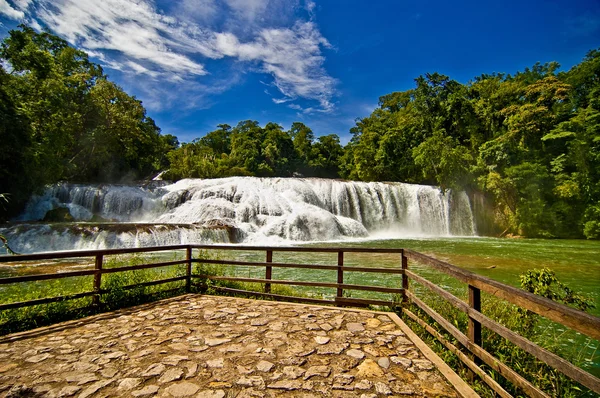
340,274
97,280
404,279
474,327
188,271
269,271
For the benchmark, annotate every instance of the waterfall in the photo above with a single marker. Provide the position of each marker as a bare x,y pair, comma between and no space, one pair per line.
238,209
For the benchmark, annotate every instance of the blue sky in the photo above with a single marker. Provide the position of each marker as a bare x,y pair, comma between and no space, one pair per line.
199,63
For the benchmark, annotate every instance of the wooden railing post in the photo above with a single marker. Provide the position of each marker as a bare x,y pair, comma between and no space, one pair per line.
188,271
404,280
269,271
97,280
340,274
474,327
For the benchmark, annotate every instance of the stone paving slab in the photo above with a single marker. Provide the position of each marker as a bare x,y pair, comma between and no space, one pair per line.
208,346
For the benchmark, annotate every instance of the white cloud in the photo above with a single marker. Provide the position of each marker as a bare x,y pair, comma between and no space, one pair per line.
248,9
137,37
292,56
10,12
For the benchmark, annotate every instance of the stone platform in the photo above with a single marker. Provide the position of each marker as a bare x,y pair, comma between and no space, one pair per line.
208,346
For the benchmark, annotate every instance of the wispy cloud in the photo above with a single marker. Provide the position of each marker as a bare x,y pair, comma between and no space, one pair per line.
182,43
10,11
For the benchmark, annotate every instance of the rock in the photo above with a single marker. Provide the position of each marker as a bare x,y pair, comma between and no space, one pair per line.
211,394
215,363
293,372
363,385
373,323
184,389
251,381
369,369
334,348
114,355
401,340
382,388
326,327
323,371
171,375
355,327
422,364
404,362
384,362
343,379
192,369
322,339
147,390
82,366
214,342
368,395
68,391
81,378
264,366
91,390
354,353
179,346
259,322
155,369
60,214
143,353
174,360
108,372
7,367
287,385
129,383
38,358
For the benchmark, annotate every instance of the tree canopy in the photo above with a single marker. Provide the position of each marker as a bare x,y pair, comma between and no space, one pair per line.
62,119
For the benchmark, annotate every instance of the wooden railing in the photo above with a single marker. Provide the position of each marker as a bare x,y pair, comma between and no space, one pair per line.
471,341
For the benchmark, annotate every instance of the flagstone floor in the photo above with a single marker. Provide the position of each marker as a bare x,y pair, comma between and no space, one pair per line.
208,346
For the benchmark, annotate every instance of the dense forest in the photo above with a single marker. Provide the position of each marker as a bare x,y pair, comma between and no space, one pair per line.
528,142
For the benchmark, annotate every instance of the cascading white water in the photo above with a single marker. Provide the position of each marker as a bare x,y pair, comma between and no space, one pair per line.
240,209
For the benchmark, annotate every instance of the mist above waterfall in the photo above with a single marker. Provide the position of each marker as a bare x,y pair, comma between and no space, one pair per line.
241,209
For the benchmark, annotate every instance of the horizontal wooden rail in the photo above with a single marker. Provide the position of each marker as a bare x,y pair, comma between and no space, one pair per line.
301,266
576,320
351,301
150,283
300,249
47,300
308,300
45,277
86,253
142,266
381,289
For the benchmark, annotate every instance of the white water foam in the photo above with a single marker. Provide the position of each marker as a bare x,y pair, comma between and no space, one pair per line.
249,209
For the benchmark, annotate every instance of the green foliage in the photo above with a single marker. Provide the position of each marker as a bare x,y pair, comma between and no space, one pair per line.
531,142
544,282
251,150
61,118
